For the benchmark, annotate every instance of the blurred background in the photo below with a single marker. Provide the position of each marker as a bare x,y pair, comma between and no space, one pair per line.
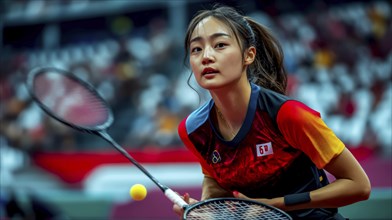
337,52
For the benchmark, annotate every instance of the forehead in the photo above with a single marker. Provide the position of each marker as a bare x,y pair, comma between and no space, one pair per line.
209,26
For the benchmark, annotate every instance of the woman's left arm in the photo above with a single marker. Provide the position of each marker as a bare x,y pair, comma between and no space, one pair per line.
351,185
305,130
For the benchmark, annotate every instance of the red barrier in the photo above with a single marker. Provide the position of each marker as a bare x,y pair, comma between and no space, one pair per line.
73,167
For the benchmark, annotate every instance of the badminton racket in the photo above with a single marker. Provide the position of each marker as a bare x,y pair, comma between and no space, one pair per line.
74,102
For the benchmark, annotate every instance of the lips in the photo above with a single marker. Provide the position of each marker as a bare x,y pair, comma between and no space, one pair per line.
209,70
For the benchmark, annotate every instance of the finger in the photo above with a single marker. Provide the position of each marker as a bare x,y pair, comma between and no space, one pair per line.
178,210
239,195
186,197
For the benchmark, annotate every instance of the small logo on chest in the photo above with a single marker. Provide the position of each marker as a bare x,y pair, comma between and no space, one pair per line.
264,149
216,158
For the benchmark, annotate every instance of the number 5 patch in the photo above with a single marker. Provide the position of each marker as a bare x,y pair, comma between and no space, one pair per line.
264,149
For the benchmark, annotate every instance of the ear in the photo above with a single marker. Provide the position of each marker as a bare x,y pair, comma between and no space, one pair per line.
250,55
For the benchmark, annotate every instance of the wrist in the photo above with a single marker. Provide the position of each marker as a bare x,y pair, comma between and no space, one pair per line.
297,198
278,202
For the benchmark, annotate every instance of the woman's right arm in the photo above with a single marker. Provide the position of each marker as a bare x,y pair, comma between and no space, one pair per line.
211,189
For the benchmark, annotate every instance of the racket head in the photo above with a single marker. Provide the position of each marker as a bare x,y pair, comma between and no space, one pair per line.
69,99
233,208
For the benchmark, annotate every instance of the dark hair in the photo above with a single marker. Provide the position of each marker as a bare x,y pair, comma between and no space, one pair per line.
267,70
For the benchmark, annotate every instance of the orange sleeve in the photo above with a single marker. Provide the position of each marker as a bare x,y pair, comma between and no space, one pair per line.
304,129
188,143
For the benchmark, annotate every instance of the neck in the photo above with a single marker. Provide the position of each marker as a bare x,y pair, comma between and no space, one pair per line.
233,104
231,108
226,129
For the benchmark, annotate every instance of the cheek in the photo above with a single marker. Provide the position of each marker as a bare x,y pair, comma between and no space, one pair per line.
194,65
233,61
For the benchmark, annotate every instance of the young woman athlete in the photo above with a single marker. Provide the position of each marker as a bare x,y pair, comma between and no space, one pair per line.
251,140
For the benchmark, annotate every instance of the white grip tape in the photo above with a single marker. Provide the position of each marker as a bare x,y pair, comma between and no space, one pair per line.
175,198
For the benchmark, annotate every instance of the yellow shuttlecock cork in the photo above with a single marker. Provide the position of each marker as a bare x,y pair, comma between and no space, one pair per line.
138,192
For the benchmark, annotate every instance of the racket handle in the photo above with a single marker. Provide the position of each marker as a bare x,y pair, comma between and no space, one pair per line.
175,198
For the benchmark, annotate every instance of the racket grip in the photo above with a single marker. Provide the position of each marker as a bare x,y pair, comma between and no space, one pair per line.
175,198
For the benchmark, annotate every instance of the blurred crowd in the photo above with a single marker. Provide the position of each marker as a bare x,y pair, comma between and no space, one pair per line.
339,61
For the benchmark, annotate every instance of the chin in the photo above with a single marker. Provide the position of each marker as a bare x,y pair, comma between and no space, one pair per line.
212,85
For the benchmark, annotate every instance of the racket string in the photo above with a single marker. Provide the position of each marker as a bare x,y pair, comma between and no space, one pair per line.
227,210
70,100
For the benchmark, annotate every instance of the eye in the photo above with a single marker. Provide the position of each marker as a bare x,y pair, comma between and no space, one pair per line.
220,45
195,49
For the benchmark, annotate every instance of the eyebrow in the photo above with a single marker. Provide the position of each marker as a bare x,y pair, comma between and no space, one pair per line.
213,36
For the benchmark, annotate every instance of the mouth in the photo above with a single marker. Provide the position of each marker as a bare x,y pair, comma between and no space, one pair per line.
208,71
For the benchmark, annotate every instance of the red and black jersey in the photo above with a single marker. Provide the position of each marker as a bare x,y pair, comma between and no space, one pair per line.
280,149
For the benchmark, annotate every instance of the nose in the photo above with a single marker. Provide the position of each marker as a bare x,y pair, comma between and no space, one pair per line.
207,56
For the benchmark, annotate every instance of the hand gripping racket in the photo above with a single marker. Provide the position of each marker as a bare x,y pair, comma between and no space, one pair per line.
77,104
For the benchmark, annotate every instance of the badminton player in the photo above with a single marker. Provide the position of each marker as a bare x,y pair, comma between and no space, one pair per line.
252,140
